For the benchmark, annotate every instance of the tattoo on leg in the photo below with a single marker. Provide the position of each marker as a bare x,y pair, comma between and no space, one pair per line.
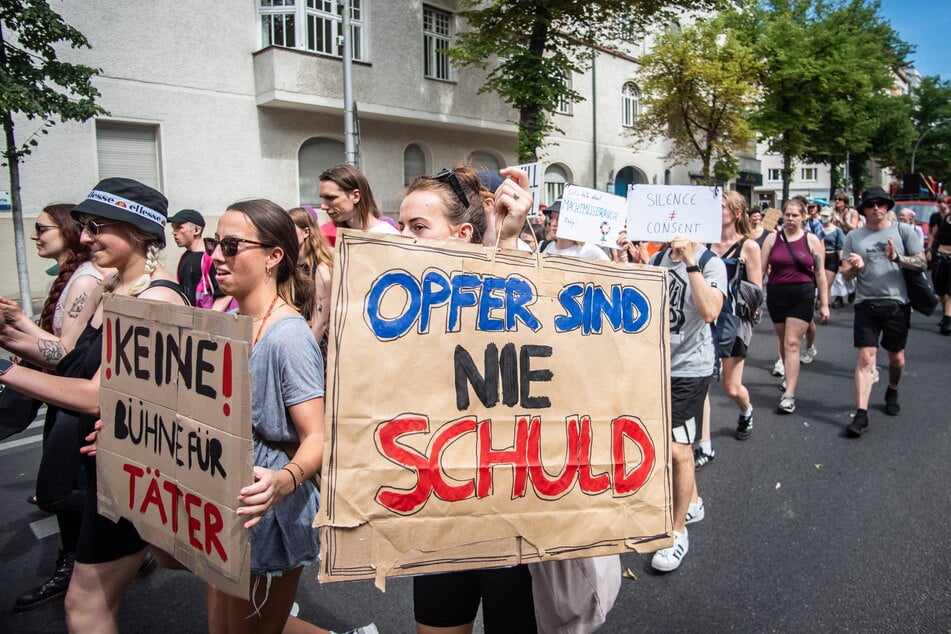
78,304
50,349
894,374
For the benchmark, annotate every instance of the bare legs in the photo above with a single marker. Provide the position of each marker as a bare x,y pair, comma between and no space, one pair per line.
95,594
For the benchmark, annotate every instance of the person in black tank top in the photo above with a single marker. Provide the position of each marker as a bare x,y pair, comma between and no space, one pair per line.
123,223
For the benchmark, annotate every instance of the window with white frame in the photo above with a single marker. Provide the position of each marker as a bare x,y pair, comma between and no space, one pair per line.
774,174
130,150
437,37
556,178
312,25
810,174
564,104
630,104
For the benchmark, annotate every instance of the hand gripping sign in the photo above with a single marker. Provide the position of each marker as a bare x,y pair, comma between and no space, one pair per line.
485,410
175,446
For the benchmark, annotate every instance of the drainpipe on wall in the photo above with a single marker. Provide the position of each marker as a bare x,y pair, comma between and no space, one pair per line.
349,116
594,123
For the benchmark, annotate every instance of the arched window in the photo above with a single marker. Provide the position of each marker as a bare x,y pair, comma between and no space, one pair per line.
414,163
630,104
314,156
556,177
485,159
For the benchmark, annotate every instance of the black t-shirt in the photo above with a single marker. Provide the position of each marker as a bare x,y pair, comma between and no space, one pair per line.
189,274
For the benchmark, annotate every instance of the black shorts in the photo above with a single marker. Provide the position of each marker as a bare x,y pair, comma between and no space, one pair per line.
686,407
100,539
941,276
452,599
726,339
791,300
832,261
881,319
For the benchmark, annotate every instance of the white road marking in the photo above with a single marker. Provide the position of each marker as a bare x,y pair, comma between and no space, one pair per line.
45,527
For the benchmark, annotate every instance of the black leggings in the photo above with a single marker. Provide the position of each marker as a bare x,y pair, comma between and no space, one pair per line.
60,486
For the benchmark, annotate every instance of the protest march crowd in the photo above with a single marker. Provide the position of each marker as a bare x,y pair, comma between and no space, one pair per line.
276,265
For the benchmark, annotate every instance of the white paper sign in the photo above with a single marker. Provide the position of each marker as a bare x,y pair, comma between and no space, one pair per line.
534,183
589,215
658,213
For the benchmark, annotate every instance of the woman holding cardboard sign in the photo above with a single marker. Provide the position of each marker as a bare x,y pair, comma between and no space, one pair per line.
122,221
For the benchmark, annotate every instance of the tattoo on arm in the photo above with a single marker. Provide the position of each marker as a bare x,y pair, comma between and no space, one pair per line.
78,304
916,262
50,349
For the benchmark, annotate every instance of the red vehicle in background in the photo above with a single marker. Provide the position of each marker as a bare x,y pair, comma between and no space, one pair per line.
920,194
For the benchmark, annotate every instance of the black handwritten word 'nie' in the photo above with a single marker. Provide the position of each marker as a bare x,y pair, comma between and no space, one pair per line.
515,371
166,359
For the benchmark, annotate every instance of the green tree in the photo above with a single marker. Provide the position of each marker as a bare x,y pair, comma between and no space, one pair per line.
698,95
528,47
931,116
37,85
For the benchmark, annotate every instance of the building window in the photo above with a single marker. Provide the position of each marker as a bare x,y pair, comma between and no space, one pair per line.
774,174
312,25
436,39
630,104
314,156
414,163
564,104
810,174
556,178
129,150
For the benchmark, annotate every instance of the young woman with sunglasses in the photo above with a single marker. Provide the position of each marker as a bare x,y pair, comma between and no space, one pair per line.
73,297
123,223
454,205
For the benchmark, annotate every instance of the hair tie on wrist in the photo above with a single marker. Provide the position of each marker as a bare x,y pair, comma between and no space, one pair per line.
293,477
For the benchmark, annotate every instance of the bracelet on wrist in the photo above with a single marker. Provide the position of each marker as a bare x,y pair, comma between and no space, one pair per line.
293,477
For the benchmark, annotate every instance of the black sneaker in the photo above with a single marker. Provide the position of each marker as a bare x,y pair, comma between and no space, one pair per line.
891,402
858,425
701,458
744,426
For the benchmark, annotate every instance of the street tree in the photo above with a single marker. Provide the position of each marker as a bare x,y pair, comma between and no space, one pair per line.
697,94
37,85
530,47
931,115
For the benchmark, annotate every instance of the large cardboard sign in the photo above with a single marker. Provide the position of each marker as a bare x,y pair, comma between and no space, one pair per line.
658,213
589,215
175,446
484,411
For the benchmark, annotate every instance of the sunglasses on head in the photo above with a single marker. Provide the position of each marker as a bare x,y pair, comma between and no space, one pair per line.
449,176
229,245
93,227
39,229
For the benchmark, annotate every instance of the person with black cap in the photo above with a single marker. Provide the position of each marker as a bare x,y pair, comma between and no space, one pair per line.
122,222
873,256
187,227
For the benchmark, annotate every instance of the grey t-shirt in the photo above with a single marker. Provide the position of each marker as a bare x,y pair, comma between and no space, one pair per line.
881,278
286,369
691,339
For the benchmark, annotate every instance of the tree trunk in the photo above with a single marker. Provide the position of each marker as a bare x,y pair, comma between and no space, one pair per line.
787,173
19,239
531,117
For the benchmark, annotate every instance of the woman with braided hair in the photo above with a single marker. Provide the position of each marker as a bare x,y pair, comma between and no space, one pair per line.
72,299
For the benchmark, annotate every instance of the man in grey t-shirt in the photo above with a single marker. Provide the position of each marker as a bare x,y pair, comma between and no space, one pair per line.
874,256
696,297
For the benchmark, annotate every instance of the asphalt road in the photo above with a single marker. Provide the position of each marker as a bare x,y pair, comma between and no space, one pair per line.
805,529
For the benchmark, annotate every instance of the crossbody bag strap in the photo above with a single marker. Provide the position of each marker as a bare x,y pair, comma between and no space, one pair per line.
782,236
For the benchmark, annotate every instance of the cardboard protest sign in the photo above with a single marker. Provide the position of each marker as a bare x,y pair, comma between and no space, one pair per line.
589,215
771,219
483,411
533,171
658,213
175,446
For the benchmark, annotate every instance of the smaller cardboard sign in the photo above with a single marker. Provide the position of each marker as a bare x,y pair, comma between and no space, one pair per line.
658,213
589,215
175,447
533,170
771,219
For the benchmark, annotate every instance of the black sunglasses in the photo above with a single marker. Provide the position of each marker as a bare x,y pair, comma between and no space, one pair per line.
449,176
39,229
229,245
92,226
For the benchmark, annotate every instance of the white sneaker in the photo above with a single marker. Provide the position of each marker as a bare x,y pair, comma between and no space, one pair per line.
808,355
295,609
366,629
695,511
668,559
875,374
778,369
787,405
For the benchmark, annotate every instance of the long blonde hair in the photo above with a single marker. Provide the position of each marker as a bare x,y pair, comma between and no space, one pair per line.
316,248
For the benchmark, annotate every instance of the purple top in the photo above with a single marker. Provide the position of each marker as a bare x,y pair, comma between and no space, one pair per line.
782,269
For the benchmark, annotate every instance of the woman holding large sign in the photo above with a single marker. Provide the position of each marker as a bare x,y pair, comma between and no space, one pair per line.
454,205
122,221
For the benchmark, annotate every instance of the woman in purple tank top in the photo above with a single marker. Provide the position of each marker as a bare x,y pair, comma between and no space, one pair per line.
793,260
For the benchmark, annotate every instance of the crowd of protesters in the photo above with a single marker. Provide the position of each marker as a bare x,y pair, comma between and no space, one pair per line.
275,266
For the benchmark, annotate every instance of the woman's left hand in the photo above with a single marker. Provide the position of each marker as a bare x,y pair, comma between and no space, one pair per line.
269,488
824,314
90,449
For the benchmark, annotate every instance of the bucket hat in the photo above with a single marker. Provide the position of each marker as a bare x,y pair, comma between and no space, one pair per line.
129,201
875,193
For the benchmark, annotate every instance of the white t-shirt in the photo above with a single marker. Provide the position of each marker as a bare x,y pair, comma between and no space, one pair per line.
384,227
583,250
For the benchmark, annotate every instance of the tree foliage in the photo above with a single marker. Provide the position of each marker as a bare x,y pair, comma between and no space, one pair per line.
697,93
528,47
931,116
36,84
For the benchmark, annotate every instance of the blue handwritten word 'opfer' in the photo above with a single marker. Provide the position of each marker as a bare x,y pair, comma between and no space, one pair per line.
499,303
